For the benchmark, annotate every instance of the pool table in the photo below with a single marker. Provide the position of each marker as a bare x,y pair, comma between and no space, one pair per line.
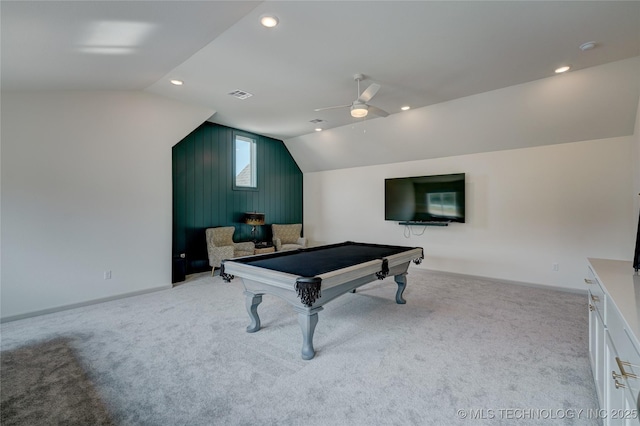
308,278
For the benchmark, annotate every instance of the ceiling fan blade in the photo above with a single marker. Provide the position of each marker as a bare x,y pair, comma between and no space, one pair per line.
369,93
378,111
332,107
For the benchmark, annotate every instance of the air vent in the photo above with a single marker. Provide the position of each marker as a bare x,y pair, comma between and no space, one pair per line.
240,94
316,121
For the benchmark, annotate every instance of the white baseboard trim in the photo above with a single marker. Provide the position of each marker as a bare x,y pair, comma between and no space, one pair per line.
505,281
81,304
168,286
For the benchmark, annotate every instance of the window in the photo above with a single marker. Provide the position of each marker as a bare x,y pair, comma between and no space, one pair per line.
443,204
244,170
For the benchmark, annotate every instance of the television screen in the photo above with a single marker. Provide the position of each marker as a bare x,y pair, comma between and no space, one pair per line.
438,198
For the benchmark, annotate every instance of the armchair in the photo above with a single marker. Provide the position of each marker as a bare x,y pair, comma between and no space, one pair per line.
220,246
287,237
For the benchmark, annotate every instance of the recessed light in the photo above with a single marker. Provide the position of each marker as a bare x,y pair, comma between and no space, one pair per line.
318,129
563,69
177,82
405,108
587,46
269,21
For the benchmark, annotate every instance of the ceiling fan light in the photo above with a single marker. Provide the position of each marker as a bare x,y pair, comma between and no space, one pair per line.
359,111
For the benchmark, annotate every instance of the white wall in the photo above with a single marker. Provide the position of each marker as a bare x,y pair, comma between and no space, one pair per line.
86,188
526,209
553,170
636,163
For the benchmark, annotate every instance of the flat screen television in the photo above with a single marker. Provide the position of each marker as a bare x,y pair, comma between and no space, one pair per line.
437,198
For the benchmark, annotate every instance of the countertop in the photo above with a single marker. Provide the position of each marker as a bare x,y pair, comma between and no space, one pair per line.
622,284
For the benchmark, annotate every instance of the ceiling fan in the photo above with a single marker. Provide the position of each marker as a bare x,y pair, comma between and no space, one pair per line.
360,108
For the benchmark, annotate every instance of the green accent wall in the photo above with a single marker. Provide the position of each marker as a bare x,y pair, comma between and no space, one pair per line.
203,194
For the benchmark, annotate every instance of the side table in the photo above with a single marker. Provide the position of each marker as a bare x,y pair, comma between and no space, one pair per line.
262,248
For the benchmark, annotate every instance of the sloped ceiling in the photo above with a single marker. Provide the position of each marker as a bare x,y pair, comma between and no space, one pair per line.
105,45
594,103
425,54
420,52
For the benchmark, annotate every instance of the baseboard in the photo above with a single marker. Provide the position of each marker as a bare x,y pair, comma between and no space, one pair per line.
505,281
81,304
168,286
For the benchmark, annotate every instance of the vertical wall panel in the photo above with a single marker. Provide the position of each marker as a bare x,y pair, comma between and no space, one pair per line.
207,176
203,194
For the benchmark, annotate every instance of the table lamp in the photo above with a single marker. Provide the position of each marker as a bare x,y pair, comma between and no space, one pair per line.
254,219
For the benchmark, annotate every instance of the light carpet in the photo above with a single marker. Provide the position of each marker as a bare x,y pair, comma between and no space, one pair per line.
463,350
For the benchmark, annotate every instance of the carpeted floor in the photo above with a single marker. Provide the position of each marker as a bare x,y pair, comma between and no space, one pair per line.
461,351
45,381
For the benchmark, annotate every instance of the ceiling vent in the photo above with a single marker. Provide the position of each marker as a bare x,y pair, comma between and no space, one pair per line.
316,121
240,94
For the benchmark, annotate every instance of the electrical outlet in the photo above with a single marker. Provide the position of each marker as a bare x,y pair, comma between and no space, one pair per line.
107,275
555,267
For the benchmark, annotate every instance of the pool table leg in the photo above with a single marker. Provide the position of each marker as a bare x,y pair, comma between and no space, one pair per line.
308,323
401,280
251,302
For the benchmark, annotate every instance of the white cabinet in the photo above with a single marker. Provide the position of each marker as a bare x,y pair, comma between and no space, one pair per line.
614,349
597,335
620,396
623,365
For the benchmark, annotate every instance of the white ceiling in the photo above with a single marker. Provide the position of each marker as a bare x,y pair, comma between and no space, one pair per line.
44,43
420,52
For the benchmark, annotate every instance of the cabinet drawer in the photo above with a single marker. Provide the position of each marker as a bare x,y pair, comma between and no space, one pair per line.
627,355
596,295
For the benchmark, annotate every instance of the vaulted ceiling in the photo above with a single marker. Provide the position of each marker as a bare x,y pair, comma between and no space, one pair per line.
421,53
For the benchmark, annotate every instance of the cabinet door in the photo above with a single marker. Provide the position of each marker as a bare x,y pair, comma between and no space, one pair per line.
630,412
614,393
621,408
620,391
597,350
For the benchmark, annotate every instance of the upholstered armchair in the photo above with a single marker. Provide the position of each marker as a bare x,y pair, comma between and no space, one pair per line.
287,237
220,246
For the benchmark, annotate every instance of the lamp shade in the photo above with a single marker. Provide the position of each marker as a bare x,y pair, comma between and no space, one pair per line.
254,219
